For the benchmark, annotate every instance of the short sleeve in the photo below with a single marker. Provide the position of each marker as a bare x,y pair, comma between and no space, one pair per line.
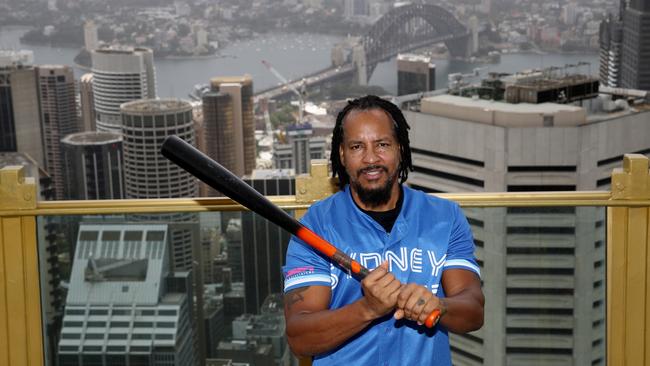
305,267
460,253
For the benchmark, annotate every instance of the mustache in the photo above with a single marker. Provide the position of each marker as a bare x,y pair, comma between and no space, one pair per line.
371,167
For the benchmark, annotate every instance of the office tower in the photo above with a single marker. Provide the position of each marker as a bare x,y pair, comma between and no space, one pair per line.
124,305
145,125
58,116
120,75
611,41
20,116
355,8
263,244
87,102
147,174
300,148
91,40
635,59
218,132
92,166
240,92
415,74
542,267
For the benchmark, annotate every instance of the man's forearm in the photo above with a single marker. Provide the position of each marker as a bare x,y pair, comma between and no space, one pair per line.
463,312
312,333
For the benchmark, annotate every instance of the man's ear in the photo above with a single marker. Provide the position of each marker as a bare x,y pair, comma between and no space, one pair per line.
341,155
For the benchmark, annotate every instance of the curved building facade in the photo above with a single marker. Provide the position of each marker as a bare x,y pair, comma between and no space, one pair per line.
145,124
92,164
120,76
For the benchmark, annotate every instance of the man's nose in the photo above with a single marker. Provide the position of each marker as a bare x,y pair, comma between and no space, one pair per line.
370,156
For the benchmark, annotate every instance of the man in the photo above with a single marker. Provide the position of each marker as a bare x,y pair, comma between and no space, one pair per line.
420,247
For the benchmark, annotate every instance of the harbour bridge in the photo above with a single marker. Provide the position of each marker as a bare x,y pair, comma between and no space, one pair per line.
402,29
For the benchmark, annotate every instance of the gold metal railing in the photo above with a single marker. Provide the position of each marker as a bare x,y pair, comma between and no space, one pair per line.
628,249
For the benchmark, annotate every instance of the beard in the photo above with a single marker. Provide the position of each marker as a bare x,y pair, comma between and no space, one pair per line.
374,197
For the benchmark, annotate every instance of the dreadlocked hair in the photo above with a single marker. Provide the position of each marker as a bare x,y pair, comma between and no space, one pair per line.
399,126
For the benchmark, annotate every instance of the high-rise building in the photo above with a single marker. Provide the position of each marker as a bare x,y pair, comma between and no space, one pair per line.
542,267
263,244
87,103
125,306
20,116
145,125
415,74
240,91
218,132
147,174
635,58
120,75
91,40
92,166
300,148
611,41
56,86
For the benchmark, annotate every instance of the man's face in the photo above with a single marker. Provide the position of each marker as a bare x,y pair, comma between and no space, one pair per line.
370,154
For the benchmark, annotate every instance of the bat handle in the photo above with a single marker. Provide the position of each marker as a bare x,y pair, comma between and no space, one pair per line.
432,319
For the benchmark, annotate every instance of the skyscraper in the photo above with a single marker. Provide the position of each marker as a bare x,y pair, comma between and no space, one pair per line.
635,59
218,131
124,305
120,75
91,41
415,74
300,148
263,244
59,118
87,102
611,41
145,124
92,166
240,91
147,174
542,267
20,116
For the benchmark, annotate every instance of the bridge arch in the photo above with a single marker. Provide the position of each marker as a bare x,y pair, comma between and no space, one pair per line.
397,32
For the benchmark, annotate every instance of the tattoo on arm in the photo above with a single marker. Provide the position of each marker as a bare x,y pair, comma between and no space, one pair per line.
294,296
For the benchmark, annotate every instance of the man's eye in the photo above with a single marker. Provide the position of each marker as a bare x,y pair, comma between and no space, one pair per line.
355,147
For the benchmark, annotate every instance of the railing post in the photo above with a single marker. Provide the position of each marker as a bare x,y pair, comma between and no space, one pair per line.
21,336
314,186
628,271
309,189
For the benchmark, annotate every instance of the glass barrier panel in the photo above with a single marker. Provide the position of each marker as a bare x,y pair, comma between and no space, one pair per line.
123,288
127,289
543,273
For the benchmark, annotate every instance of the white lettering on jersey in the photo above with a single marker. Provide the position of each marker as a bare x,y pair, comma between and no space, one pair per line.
416,260
366,258
401,261
436,264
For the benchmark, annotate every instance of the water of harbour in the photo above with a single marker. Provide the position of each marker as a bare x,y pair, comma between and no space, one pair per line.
293,55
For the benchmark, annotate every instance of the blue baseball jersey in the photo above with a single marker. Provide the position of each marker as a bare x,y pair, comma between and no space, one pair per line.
429,236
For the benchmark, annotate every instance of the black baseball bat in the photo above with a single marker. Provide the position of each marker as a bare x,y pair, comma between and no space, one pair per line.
216,176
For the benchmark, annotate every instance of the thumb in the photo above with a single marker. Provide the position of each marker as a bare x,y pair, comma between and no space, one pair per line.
399,314
384,265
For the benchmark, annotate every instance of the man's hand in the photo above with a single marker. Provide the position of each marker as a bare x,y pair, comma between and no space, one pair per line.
380,289
416,303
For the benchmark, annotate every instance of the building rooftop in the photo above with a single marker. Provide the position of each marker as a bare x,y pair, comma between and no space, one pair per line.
13,58
91,138
411,57
503,114
122,50
155,106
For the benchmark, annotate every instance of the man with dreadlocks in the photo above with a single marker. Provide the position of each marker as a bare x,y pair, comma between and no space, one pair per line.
420,248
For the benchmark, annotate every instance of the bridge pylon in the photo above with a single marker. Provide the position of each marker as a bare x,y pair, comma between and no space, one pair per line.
360,64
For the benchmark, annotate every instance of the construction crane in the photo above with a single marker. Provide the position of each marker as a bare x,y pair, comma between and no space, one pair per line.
288,84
